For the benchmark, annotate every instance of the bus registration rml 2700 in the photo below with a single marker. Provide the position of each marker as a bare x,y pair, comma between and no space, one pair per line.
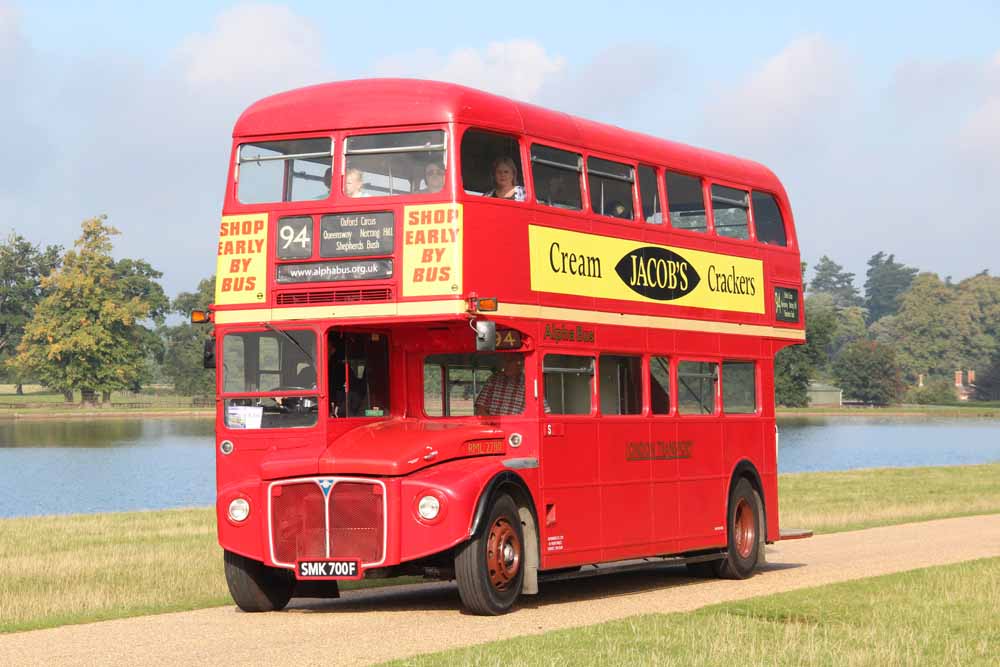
328,569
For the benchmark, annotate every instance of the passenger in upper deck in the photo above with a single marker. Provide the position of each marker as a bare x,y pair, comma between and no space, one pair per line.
354,184
433,177
505,180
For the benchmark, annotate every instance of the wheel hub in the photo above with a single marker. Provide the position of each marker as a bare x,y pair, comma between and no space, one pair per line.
744,528
503,554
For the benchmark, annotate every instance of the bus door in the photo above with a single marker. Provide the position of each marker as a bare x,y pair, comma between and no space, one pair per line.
626,453
569,455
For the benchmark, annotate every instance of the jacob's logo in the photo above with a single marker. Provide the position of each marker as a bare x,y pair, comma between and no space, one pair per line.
657,273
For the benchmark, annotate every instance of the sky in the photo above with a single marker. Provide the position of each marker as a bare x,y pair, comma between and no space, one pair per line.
882,119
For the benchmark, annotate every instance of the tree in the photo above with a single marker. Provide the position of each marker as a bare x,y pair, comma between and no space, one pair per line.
830,278
886,282
182,363
867,371
22,267
87,331
988,381
795,366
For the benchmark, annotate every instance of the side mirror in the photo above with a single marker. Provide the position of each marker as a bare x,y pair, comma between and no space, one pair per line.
208,354
486,336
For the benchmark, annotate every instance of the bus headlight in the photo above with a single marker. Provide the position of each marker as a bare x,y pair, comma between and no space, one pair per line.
428,508
239,510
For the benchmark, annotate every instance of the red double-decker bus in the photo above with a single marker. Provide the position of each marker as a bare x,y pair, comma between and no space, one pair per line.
465,337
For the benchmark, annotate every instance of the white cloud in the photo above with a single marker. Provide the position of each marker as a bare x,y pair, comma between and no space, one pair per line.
517,68
261,46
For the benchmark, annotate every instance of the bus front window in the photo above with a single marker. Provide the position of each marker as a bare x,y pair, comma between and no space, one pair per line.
460,385
270,365
358,374
291,170
399,163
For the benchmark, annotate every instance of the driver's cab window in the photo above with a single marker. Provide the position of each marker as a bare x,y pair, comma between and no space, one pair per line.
491,165
358,373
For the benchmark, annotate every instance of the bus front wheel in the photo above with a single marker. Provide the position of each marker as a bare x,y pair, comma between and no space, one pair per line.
489,568
255,586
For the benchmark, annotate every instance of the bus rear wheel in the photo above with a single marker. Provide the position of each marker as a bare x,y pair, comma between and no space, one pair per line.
744,521
255,586
489,568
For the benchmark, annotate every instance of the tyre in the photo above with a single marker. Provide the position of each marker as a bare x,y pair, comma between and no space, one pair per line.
489,568
255,586
743,523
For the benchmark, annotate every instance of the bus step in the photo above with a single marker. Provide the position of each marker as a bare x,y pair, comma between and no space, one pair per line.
565,574
794,534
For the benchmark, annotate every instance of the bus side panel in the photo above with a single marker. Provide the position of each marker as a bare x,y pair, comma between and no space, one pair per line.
703,485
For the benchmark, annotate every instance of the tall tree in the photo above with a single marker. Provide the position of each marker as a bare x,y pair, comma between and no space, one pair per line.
988,380
22,267
796,366
886,282
182,363
867,371
87,332
830,278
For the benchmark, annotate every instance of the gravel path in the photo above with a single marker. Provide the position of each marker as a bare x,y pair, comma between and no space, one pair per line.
371,626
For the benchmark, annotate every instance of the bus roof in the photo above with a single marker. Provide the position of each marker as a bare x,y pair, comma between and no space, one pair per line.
392,102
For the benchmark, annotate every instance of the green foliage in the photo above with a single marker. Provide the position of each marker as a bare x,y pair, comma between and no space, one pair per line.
886,282
830,278
185,344
795,366
934,392
868,372
22,267
87,331
988,381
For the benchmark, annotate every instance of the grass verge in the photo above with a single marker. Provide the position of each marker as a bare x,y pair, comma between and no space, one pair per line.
935,616
75,569
971,409
829,502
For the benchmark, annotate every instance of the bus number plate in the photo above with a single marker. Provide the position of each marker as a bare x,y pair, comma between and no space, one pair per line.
327,569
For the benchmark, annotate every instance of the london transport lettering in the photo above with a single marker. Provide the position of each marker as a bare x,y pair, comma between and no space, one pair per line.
242,259
658,451
432,249
566,262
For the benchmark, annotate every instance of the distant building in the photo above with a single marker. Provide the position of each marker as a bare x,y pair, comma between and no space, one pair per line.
965,390
825,395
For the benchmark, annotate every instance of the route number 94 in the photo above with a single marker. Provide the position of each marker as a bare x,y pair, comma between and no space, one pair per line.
508,339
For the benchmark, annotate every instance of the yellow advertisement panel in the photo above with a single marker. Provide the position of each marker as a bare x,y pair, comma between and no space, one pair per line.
241,271
432,249
567,262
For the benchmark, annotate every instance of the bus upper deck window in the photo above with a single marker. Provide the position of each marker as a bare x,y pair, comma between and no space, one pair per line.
557,177
610,185
686,202
767,219
730,208
287,170
649,195
398,163
483,154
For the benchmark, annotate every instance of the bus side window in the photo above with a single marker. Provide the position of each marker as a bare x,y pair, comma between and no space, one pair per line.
556,177
659,385
620,385
696,383
687,202
610,185
649,195
767,219
731,209
739,388
569,382
480,150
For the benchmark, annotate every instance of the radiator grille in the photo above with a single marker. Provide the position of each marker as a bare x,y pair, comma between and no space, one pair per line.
312,297
298,523
356,522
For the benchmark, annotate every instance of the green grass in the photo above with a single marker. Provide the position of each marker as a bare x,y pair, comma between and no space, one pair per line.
60,570
828,502
936,616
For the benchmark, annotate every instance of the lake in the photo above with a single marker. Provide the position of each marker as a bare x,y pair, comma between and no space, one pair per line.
60,467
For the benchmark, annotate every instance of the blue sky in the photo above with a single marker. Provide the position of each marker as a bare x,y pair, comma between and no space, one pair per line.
882,119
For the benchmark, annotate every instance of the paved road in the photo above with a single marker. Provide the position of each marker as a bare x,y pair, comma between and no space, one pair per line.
371,626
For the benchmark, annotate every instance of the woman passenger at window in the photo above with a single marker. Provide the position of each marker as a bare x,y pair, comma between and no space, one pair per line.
505,180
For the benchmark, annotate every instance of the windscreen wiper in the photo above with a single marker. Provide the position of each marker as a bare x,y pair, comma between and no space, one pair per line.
293,341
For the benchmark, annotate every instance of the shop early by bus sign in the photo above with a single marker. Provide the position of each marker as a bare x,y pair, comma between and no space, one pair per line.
432,250
566,262
241,269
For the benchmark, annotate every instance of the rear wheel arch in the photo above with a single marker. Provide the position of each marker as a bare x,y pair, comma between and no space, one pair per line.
511,484
747,470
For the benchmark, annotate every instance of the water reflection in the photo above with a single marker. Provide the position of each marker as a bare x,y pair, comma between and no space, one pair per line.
99,432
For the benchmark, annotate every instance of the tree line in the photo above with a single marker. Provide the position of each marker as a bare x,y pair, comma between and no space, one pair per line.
908,328
79,320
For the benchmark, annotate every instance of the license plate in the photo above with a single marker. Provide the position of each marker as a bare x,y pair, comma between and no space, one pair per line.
328,569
